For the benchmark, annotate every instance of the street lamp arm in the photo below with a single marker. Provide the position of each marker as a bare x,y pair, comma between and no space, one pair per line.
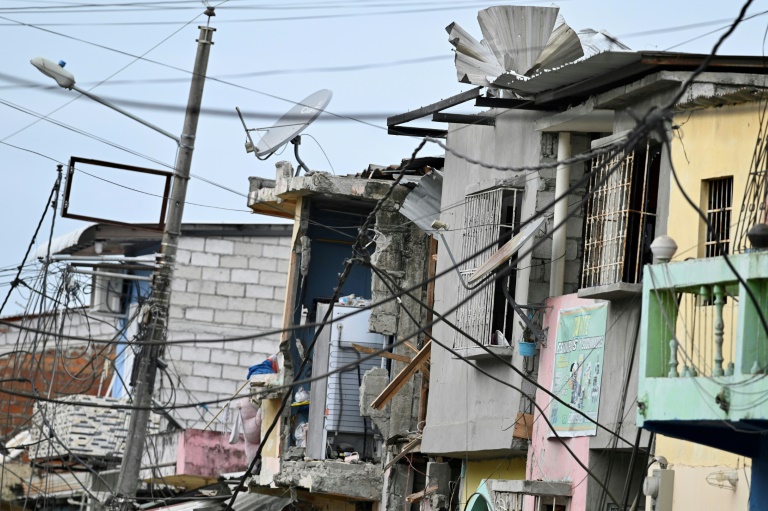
126,113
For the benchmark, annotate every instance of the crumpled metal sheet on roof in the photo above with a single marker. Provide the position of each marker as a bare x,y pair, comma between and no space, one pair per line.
422,205
575,72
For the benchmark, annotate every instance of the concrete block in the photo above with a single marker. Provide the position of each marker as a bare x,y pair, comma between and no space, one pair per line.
272,279
239,346
234,371
263,263
220,356
183,256
217,274
273,306
176,312
199,314
279,294
209,370
285,241
277,321
214,301
246,276
257,291
571,250
258,319
184,299
264,346
276,252
182,367
188,272
178,284
205,259
174,352
190,243
219,246
223,387
231,317
201,286
544,250
233,261
282,265
242,304
247,248
196,383
230,289
195,354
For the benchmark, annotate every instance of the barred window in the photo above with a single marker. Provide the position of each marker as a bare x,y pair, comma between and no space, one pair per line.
621,217
719,203
491,218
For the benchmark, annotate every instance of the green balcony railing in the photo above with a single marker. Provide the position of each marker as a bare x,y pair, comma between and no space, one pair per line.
704,351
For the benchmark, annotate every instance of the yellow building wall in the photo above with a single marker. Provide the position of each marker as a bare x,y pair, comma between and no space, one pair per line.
710,143
476,471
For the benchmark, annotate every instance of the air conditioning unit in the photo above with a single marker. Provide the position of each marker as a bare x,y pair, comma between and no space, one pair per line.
107,293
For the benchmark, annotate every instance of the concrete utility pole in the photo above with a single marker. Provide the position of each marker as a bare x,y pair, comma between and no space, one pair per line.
155,330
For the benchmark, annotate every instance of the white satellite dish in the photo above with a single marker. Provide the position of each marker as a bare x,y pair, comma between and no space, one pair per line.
505,252
293,122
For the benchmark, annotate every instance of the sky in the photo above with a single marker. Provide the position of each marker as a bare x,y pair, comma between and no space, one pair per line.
379,57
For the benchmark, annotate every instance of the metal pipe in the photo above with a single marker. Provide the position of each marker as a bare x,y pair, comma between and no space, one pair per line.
113,275
560,235
105,258
126,113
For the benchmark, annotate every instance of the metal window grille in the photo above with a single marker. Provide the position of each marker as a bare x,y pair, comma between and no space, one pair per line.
620,218
719,204
483,227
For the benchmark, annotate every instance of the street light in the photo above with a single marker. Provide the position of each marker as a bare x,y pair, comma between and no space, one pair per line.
161,282
66,80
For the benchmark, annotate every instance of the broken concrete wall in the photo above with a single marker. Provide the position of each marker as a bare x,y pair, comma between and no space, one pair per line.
356,480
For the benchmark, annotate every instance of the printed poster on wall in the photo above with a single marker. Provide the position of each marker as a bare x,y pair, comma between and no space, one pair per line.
578,369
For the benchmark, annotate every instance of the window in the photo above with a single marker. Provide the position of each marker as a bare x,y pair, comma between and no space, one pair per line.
719,193
621,217
490,218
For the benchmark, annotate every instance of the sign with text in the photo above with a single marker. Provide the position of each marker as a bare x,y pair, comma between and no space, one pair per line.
578,369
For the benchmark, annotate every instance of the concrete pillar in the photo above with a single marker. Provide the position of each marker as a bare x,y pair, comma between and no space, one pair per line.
562,182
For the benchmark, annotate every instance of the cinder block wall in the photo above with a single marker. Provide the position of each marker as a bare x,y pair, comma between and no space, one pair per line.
225,286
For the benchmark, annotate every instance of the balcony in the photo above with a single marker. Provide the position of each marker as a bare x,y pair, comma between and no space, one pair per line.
704,352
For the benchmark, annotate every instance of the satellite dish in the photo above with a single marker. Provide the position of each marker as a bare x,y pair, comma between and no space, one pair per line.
293,122
505,252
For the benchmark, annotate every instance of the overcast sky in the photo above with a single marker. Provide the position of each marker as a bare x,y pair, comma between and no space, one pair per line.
379,57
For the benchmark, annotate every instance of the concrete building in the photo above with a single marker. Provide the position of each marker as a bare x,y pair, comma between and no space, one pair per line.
596,258
228,282
330,453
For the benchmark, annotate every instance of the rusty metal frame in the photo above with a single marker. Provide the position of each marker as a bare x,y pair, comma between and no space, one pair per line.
131,168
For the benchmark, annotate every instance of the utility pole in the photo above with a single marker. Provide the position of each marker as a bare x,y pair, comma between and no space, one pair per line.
155,329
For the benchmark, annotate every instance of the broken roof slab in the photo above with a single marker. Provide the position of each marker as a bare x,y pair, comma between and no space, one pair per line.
280,199
362,481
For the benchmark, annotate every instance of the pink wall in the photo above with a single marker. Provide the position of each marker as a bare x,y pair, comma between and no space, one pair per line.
208,454
548,460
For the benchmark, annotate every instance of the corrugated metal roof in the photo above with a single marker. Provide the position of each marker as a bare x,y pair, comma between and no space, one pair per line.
574,72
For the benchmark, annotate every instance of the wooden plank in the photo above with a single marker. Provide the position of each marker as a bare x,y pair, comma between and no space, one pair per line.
293,271
477,120
415,497
434,107
406,449
384,354
411,347
399,381
523,426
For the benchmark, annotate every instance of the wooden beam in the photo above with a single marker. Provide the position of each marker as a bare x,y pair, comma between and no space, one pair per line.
411,347
384,354
399,381
406,449
415,497
434,107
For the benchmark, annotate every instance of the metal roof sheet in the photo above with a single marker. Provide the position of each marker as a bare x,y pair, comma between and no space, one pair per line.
567,74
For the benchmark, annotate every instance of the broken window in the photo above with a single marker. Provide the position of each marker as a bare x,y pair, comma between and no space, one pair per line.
621,216
491,218
719,193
